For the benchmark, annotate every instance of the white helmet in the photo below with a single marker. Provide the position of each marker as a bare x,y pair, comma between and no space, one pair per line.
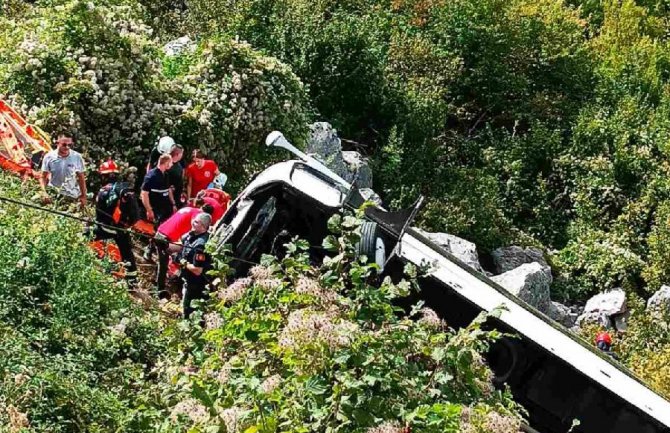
165,144
220,181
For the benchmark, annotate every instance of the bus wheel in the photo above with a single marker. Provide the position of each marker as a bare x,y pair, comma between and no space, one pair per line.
372,244
503,359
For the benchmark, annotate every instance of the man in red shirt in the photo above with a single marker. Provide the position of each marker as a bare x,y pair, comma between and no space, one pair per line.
199,174
171,232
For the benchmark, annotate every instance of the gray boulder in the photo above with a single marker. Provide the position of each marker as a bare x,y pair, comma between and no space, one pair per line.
606,309
659,303
508,258
358,168
594,318
610,303
324,144
562,314
529,282
464,250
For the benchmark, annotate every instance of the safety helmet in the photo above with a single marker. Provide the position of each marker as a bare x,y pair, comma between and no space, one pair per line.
165,144
108,167
219,181
604,337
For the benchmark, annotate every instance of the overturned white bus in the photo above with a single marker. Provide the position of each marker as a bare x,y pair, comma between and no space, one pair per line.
554,374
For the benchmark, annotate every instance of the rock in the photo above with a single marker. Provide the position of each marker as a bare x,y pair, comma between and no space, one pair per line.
562,314
529,282
659,303
610,303
606,309
358,168
595,318
325,145
508,258
464,250
370,195
178,46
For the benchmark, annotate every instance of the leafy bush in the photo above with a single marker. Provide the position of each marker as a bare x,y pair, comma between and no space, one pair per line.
594,261
235,96
74,348
322,348
645,347
96,71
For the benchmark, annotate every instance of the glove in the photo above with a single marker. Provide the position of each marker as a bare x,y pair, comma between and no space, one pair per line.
183,263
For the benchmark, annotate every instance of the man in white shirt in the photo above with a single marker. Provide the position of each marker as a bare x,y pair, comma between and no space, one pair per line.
63,169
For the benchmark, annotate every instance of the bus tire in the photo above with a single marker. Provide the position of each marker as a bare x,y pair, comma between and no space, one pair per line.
507,358
371,244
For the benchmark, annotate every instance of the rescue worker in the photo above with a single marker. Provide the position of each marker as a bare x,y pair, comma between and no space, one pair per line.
176,175
194,262
199,174
170,232
604,343
157,197
64,170
116,207
218,209
164,145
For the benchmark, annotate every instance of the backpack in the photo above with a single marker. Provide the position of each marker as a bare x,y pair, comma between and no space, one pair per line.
117,205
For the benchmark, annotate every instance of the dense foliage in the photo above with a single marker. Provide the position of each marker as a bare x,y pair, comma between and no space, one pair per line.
96,71
299,346
533,122
75,351
321,348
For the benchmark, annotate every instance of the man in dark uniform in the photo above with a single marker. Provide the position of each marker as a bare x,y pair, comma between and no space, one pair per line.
157,197
194,261
176,175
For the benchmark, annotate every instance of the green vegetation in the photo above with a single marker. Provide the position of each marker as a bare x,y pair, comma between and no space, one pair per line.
529,122
293,346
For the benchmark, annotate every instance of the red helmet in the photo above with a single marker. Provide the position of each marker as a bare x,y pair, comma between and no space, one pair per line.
108,167
604,337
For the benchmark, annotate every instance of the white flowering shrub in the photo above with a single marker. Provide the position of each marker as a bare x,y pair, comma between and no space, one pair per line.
89,69
234,96
323,348
96,70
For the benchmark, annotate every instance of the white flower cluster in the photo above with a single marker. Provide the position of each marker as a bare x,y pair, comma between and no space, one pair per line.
191,408
430,319
213,321
119,330
473,421
235,291
264,278
271,383
308,286
223,374
306,327
386,427
259,272
232,419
